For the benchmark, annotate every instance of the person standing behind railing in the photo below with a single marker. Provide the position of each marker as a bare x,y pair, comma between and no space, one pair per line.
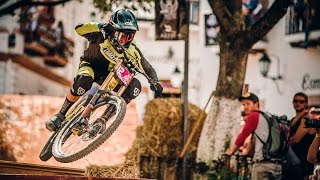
257,124
300,137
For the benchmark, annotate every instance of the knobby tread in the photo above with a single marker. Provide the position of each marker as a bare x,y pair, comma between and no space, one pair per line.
46,152
95,144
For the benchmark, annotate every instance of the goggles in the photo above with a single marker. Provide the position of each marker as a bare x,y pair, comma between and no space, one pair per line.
124,36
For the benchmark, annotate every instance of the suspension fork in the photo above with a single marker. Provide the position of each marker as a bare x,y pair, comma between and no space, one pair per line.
86,112
98,93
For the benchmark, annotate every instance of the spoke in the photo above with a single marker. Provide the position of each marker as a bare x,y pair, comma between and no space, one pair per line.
74,141
73,147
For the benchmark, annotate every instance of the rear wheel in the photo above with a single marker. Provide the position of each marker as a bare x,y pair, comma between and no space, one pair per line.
46,152
76,140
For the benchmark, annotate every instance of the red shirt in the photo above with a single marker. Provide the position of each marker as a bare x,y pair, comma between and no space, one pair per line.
251,125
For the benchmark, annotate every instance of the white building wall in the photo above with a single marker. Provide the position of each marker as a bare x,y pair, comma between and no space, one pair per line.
15,79
294,63
204,62
12,81
33,83
6,80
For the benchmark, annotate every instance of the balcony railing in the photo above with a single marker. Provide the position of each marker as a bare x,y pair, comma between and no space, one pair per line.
303,16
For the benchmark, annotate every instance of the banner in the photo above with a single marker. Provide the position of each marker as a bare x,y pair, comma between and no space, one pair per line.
167,21
211,29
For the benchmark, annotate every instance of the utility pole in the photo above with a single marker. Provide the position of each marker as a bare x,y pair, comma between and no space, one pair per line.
186,171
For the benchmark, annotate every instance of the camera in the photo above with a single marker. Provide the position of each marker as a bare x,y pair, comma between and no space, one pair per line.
312,123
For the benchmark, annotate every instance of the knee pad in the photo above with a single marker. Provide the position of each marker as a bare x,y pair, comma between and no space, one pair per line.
132,91
82,83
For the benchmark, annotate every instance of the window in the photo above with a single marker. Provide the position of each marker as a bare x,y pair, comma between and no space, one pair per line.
194,12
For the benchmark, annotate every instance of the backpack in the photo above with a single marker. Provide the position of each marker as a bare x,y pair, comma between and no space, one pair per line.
277,143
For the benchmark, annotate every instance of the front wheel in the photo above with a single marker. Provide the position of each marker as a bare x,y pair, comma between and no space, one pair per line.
76,140
46,152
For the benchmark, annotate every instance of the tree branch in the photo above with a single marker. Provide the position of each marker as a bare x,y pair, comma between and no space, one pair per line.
11,8
223,15
3,2
264,24
48,3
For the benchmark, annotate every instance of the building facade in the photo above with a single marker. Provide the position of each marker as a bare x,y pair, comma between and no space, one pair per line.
299,67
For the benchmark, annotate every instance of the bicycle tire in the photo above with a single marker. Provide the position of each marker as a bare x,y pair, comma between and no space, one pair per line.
46,152
57,151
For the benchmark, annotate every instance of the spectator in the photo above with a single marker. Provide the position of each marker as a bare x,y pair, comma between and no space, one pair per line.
298,16
248,147
300,137
255,122
248,9
313,156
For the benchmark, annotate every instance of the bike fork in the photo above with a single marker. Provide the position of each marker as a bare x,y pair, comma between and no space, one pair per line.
88,109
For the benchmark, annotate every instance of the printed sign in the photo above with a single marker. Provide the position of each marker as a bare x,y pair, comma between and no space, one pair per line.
167,19
308,83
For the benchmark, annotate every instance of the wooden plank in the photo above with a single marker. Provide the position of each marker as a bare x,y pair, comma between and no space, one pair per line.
36,47
33,177
3,29
4,56
15,170
55,61
10,167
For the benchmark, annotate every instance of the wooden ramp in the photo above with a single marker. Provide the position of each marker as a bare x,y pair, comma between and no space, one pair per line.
37,177
16,171
9,167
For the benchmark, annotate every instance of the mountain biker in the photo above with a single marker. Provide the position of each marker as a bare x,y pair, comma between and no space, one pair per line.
100,57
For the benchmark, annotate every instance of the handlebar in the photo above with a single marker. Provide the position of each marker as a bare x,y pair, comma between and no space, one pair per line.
134,67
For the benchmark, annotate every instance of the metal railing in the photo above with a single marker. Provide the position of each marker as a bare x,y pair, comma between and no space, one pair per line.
235,167
240,165
303,16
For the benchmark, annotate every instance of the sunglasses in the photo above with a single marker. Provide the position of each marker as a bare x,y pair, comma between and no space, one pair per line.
299,101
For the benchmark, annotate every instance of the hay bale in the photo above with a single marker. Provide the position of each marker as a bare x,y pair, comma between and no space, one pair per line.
161,139
128,169
162,133
158,142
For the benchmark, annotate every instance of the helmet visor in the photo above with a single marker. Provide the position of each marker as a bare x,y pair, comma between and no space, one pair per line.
124,37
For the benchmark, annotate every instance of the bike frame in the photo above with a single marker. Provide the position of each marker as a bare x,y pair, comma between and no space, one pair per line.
107,88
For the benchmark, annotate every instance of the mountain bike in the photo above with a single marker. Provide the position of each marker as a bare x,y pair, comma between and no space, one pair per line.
94,118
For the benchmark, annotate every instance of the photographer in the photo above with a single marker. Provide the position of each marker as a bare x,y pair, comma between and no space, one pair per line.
313,152
301,137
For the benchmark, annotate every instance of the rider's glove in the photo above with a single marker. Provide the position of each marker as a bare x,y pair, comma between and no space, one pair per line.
106,28
157,88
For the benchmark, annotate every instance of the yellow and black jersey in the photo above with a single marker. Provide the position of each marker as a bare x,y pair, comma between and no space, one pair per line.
102,56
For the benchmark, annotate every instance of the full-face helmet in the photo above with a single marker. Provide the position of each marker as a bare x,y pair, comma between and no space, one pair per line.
125,25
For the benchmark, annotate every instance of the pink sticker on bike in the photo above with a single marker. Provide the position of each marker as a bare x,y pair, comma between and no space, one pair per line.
124,74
